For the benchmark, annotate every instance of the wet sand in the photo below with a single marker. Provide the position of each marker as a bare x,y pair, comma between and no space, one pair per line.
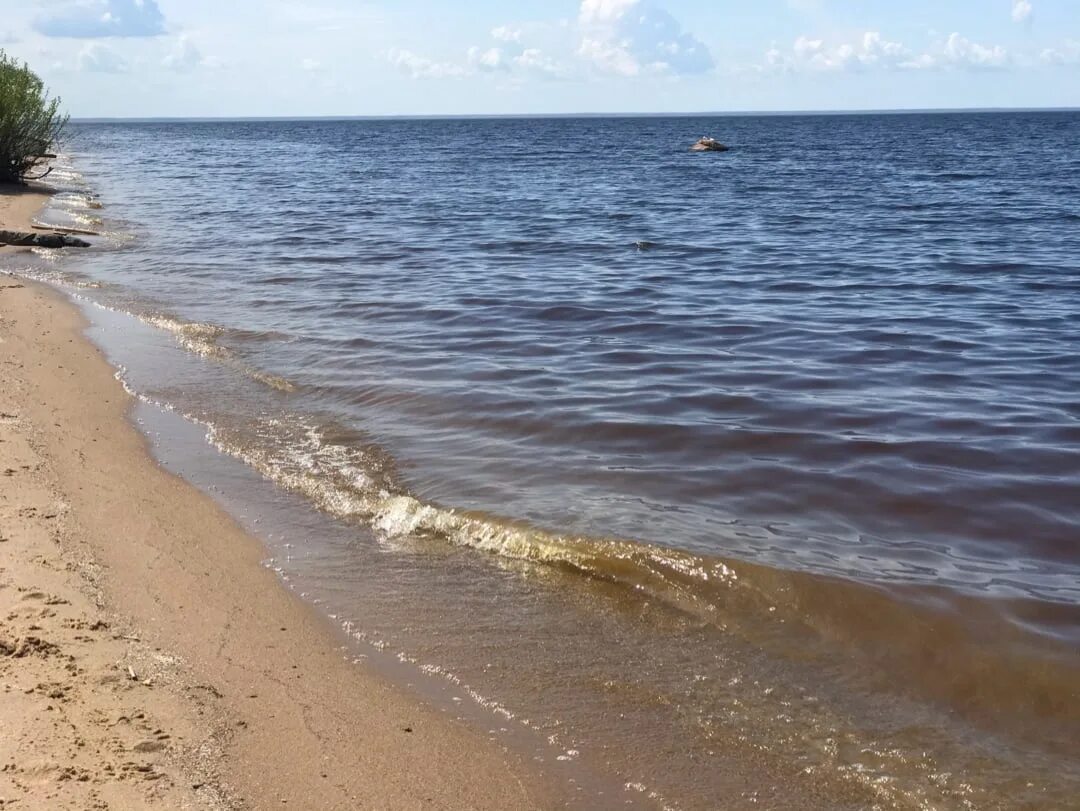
147,658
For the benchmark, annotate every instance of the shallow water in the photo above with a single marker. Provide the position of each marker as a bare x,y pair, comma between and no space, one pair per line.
773,455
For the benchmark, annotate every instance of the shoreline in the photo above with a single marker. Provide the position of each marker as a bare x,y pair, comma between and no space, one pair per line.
153,660
783,662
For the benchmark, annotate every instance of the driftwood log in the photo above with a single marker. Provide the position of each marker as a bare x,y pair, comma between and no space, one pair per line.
28,240
62,229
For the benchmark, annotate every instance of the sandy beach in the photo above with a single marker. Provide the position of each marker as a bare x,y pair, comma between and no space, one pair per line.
147,659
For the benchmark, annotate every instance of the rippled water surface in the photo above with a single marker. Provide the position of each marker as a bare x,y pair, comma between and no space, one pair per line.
817,397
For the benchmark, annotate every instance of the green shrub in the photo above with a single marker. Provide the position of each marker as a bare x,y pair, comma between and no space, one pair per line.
30,122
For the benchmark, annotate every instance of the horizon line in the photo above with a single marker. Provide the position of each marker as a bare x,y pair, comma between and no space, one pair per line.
465,116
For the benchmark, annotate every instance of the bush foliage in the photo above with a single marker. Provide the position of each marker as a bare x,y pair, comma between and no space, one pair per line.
30,122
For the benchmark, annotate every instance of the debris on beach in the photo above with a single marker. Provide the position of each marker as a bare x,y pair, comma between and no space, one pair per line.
707,144
29,240
62,229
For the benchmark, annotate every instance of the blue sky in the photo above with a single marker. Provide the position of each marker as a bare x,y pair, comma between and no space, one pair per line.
351,57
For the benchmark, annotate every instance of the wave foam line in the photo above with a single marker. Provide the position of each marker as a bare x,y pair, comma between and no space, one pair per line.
354,484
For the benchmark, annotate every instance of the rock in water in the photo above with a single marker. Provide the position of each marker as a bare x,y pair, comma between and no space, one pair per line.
61,241
17,238
24,239
707,144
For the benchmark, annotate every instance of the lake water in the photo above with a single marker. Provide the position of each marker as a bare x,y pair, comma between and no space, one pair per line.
748,479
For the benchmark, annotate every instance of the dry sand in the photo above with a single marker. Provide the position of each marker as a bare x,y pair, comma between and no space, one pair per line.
147,659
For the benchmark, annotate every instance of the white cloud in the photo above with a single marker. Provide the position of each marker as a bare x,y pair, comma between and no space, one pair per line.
511,54
489,59
609,56
504,33
872,51
311,65
604,12
98,58
184,56
622,37
533,60
1068,53
507,55
86,19
1022,10
962,52
420,67
630,37
514,59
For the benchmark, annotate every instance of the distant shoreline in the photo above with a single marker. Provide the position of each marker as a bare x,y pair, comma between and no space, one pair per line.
572,116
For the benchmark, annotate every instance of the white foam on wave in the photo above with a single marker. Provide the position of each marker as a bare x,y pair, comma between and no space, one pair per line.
203,339
195,337
354,483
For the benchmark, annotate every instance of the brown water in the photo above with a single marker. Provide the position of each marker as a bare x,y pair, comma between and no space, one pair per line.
781,513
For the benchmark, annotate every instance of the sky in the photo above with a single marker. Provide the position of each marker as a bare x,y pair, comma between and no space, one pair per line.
234,58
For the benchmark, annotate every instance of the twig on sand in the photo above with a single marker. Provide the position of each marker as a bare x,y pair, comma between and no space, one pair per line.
61,229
